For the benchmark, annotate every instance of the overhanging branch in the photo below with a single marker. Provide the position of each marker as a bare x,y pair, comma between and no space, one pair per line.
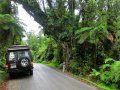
34,10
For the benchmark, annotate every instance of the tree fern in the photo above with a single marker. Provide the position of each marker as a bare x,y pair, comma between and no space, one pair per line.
9,26
115,71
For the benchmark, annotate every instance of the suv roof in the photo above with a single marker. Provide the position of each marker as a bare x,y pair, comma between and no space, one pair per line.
18,47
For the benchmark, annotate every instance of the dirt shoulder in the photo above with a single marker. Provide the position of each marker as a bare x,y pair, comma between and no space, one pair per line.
3,82
3,85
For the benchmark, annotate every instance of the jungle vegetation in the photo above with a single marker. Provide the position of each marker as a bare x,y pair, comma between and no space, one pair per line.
82,33
11,32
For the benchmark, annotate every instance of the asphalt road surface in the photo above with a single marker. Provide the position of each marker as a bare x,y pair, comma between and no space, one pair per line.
45,78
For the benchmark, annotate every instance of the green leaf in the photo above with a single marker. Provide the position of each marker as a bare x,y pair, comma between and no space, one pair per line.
83,37
5,27
109,60
83,30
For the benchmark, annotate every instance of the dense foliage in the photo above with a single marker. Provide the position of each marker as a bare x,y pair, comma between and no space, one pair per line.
10,30
44,49
81,33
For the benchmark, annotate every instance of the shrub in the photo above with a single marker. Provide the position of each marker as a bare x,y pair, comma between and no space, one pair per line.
74,66
2,64
94,74
109,72
115,73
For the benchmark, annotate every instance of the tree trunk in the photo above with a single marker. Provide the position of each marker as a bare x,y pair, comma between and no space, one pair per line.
66,54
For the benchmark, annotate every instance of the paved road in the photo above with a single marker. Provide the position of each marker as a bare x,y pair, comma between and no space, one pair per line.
45,78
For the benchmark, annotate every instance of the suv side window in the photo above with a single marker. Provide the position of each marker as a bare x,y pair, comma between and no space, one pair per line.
12,56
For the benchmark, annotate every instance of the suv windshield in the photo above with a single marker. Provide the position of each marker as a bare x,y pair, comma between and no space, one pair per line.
16,55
